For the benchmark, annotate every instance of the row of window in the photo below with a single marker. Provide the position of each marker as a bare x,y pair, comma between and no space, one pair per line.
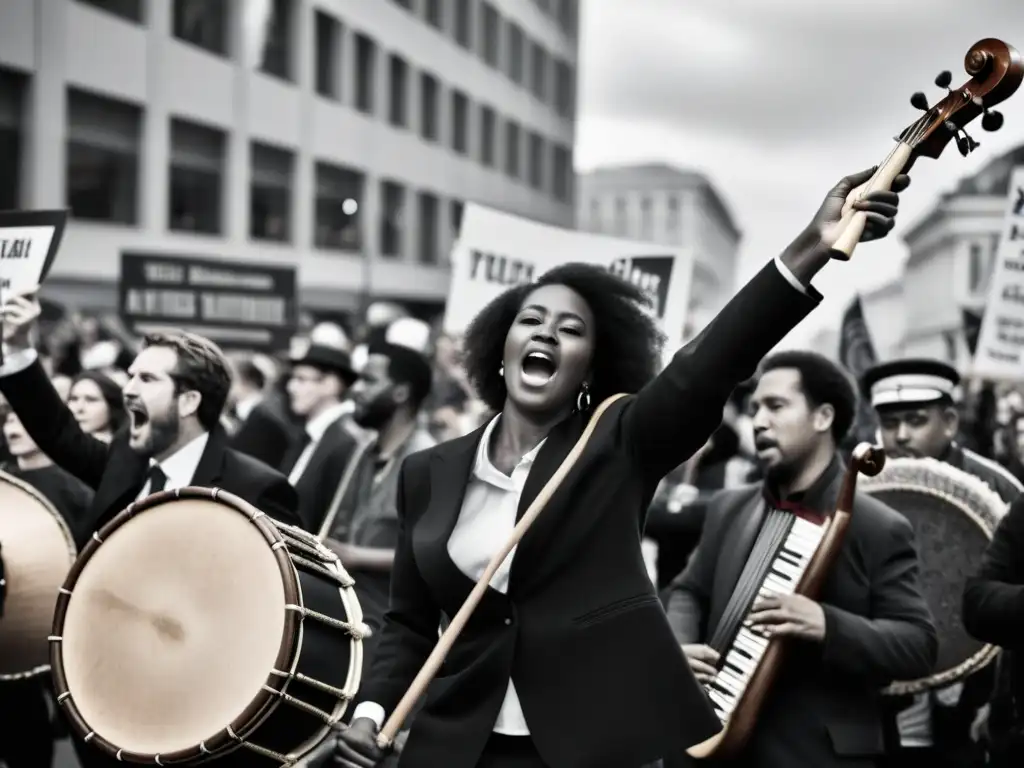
651,218
501,43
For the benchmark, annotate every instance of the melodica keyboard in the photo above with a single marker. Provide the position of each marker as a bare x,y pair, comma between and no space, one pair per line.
772,574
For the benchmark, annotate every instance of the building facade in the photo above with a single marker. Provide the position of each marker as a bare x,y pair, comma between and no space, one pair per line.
952,253
342,137
657,203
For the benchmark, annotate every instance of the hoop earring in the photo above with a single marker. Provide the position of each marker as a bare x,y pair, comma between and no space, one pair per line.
501,370
583,398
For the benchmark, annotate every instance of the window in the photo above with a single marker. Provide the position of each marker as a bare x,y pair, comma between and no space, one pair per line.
567,17
429,97
12,111
126,9
393,201
646,219
328,56
490,29
270,193
434,11
460,122
455,208
539,71
536,161
339,201
463,24
516,53
428,229
277,42
979,267
673,221
488,126
398,91
366,73
103,158
564,99
621,225
196,178
561,185
203,23
512,149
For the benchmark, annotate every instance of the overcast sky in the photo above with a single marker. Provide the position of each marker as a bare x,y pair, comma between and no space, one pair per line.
775,101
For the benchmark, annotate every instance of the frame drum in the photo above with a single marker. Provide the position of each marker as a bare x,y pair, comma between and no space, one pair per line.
953,514
195,628
38,551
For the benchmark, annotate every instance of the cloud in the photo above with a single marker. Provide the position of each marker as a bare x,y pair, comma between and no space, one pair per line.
775,101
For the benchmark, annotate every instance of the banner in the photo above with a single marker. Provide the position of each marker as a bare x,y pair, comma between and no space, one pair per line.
496,251
857,354
231,303
1000,352
972,328
29,241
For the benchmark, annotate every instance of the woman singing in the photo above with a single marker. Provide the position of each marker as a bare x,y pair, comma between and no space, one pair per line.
568,661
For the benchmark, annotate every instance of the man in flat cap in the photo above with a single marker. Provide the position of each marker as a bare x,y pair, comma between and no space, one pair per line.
916,402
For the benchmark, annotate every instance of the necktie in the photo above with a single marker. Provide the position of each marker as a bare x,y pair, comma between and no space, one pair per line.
157,479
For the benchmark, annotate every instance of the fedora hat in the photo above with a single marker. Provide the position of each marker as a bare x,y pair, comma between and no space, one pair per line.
330,359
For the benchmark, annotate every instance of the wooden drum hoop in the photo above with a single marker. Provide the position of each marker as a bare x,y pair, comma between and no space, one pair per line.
12,624
290,547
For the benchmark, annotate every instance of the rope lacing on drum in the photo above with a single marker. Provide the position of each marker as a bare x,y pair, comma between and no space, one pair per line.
359,631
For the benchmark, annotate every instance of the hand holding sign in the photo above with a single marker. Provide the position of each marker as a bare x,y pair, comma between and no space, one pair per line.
20,314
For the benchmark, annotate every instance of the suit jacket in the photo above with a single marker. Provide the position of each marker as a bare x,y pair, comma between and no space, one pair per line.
824,708
581,631
265,434
117,473
318,482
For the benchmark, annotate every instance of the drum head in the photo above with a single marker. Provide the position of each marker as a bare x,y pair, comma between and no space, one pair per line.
38,551
953,515
173,626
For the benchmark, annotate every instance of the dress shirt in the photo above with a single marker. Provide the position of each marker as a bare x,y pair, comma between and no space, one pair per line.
17,361
180,466
790,277
315,429
245,406
486,521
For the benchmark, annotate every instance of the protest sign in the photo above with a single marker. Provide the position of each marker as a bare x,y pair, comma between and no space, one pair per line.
29,241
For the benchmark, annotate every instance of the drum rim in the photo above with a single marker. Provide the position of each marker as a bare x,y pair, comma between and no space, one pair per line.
231,736
988,652
72,549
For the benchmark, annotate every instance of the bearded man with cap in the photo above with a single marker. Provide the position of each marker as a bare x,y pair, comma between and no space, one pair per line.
916,403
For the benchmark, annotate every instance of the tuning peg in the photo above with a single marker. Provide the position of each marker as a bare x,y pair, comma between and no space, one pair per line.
943,79
961,144
992,121
952,127
919,101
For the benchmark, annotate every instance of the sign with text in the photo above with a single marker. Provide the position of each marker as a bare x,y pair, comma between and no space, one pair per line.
233,304
1000,352
28,246
496,251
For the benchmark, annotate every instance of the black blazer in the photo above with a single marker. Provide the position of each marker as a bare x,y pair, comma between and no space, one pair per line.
117,473
581,632
824,709
266,434
319,480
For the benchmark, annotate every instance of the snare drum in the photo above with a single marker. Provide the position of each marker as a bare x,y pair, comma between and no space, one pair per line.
37,552
194,628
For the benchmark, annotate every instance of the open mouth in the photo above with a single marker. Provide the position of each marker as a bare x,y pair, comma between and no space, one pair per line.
137,415
538,368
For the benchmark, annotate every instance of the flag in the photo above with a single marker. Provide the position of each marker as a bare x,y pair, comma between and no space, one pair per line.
972,328
857,354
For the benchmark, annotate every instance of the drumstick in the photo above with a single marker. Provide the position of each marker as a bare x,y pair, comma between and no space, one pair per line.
444,644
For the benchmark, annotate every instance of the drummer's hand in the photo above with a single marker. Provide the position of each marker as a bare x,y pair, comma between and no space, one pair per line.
20,314
356,746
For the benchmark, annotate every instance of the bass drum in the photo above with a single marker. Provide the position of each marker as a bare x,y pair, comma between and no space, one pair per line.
195,629
954,515
36,553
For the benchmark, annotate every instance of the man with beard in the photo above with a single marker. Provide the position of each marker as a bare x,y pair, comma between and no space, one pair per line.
27,731
871,624
916,404
177,389
391,388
